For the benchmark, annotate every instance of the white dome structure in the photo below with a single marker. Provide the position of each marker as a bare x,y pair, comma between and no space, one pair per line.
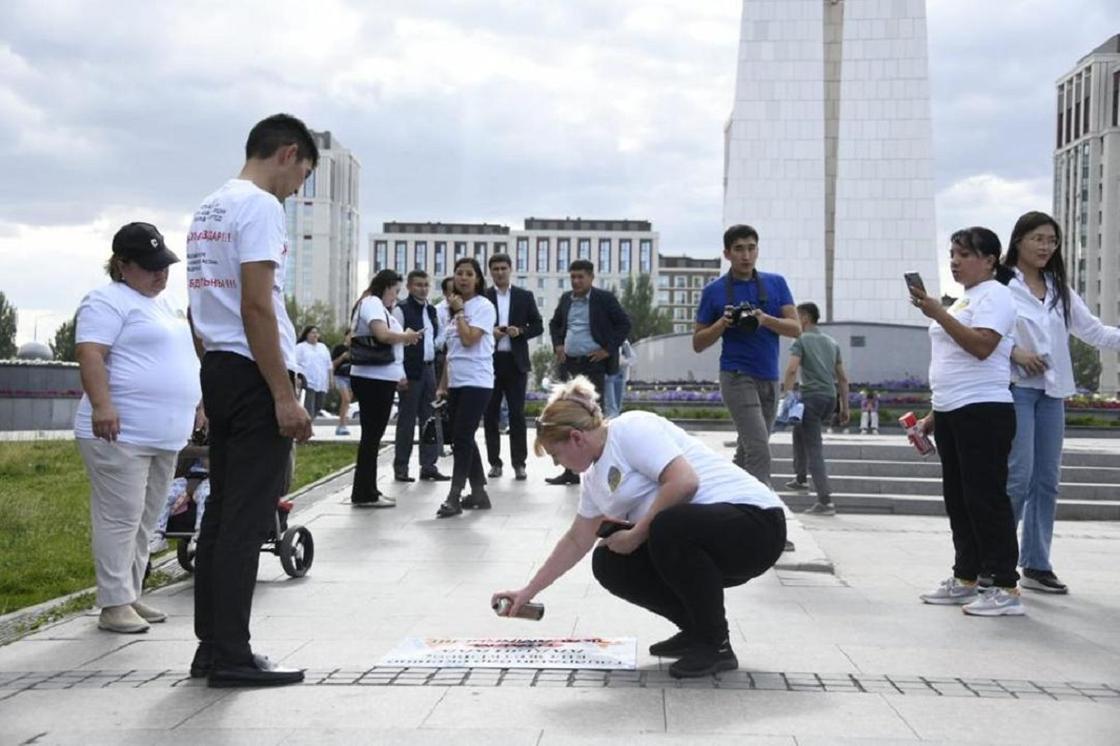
34,350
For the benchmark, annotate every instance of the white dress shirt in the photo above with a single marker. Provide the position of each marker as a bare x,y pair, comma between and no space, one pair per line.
503,344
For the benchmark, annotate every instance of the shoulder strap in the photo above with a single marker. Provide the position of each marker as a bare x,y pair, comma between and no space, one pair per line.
761,289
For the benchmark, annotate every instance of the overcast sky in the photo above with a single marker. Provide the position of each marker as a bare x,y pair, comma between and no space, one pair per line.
459,110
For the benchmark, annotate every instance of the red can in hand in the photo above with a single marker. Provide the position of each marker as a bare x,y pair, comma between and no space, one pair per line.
921,441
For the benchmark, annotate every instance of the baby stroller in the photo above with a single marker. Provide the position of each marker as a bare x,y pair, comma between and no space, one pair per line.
293,544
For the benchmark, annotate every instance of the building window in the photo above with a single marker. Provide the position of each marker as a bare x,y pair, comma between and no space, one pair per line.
400,256
1115,98
645,256
542,255
460,250
540,283
563,254
522,255
604,256
309,185
858,341
500,247
421,255
680,281
560,282
441,260
663,281
624,256
585,249
663,296
380,255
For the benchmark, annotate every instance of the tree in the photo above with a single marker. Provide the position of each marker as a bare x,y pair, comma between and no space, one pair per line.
646,320
543,361
63,344
1086,365
317,314
9,321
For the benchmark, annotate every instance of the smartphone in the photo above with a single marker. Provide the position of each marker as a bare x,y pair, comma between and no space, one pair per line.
914,280
608,527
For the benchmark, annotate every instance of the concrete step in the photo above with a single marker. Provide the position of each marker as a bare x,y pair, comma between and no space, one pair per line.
932,469
855,502
932,486
894,448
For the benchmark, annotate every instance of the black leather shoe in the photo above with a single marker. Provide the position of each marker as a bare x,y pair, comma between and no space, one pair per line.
261,672
704,660
476,501
203,661
434,476
401,476
519,473
449,508
494,473
674,647
567,477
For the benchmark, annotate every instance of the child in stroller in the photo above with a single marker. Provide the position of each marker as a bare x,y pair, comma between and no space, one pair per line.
186,503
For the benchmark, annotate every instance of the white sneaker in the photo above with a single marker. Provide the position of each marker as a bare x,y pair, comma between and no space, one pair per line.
148,613
383,501
123,619
996,602
951,592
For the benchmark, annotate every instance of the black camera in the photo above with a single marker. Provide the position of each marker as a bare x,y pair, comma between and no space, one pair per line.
742,316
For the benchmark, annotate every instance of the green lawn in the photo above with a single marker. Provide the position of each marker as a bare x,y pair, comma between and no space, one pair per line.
44,515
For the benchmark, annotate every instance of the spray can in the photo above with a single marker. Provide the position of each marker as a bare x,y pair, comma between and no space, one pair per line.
920,440
530,610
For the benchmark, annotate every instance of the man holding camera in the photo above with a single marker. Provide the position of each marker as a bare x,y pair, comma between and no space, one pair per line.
748,310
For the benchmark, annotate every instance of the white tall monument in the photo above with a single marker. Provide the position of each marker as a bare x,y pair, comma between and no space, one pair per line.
829,153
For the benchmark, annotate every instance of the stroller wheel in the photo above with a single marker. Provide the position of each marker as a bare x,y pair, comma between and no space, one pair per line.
297,551
184,551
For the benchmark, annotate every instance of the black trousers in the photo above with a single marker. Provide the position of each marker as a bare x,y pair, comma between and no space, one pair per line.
580,366
692,554
465,406
375,401
509,382
974,443
248,469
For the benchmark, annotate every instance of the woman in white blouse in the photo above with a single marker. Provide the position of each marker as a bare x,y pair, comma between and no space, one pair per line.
1048,312
692,523
314,359
375,385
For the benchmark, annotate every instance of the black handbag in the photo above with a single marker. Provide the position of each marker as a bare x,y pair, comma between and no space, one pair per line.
367,350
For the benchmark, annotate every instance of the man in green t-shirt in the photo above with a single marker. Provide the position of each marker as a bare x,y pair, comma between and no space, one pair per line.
817,356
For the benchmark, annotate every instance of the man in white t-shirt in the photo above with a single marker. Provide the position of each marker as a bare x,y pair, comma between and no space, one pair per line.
237,249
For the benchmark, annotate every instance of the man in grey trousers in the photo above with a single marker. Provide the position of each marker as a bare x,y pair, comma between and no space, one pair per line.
817,356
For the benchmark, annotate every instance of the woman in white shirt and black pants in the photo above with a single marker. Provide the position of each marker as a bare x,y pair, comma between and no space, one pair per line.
1048,312
973,421
467,383
695,522
375,385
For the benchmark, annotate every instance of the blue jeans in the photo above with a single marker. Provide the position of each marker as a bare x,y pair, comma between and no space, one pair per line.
613,392
1034,471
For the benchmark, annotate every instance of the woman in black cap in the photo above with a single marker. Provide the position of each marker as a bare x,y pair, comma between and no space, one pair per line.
139,372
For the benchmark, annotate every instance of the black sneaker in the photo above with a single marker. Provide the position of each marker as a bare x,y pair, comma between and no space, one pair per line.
704,660
674,647
477,500
1042,580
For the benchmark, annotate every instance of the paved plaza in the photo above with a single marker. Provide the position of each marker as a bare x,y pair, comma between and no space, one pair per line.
838,651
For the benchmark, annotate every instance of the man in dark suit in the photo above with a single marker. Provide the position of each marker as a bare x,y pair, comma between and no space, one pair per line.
587,330
518,322
415,401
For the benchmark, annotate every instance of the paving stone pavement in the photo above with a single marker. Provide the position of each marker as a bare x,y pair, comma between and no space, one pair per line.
850,656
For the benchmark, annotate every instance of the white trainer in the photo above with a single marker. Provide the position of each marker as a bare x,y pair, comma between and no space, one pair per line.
123,619
996,602
951,592
148,613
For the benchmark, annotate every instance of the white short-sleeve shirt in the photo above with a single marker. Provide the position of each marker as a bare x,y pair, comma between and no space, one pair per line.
238,224
473,365
315,364
153,368
956,377
623,483
372,309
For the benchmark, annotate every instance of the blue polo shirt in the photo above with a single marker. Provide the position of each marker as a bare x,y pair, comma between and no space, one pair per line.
752,353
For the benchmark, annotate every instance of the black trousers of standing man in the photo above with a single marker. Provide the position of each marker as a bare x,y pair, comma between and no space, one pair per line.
249,462
509,382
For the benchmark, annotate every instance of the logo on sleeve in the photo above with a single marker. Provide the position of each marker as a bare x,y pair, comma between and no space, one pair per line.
614,478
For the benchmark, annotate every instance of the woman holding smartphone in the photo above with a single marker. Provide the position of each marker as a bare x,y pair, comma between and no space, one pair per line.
1048,313
973,420
694,523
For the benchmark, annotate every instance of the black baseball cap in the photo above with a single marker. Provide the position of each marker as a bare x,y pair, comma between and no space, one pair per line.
143,244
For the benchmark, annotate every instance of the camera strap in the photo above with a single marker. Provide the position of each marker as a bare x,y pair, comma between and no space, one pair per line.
731,289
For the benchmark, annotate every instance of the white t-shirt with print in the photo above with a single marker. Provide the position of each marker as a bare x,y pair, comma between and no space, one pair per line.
314,362
372,309
956,377
473,365
238,224
623,483
153,368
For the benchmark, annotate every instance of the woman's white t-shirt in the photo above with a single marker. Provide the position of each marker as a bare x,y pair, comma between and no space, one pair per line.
956,377
153,368
623,483
315,364
372,309
473,365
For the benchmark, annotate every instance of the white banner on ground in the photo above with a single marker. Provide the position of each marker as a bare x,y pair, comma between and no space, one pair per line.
516,652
